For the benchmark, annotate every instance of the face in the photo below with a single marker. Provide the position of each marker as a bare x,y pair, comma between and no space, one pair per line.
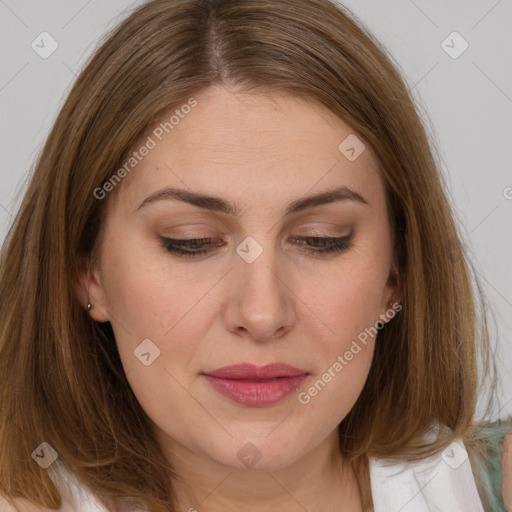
276,279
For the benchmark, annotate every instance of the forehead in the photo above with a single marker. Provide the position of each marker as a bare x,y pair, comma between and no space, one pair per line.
234,145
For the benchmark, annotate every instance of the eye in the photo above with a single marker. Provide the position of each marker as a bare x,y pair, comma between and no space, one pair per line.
191,247
324,244
188,247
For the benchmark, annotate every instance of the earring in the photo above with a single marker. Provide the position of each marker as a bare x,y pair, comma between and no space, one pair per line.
89,306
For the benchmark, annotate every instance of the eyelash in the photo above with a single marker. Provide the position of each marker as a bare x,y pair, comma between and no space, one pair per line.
175,246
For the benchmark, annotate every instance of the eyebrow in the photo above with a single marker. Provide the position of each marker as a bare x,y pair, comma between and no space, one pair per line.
217,204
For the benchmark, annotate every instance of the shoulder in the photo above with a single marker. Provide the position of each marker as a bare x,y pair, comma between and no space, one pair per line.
74,496
494,448
443,482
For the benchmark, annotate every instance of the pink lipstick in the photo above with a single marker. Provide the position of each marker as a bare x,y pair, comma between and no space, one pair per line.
256,386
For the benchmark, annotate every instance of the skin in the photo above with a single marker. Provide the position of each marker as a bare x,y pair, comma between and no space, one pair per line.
506,464
259,152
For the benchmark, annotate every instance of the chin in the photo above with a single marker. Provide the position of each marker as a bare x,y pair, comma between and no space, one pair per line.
257,453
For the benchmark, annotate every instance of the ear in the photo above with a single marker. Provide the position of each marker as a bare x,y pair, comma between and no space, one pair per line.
88,289
392,295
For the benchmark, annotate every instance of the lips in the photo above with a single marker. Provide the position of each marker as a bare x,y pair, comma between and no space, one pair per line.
256,386
248,371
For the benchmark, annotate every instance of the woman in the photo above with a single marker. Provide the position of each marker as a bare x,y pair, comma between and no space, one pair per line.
235,280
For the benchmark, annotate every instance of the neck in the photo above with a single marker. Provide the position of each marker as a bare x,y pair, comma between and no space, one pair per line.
321,480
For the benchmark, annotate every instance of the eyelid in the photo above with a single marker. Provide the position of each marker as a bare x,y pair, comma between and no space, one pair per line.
320,233
180,232
331,229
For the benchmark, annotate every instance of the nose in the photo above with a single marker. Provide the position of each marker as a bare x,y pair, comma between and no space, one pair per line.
260,302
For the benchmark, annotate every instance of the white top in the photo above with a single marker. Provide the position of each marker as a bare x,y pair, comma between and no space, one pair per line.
443,483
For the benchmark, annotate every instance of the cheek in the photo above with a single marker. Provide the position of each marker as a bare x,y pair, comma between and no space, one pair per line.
146,301
144,293
346,302
344,349
345,305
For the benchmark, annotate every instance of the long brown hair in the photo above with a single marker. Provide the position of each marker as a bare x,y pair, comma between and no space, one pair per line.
62,379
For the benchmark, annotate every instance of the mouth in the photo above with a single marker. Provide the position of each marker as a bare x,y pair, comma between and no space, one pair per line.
255,386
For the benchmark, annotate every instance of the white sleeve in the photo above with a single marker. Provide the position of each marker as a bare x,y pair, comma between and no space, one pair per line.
444,483
74,497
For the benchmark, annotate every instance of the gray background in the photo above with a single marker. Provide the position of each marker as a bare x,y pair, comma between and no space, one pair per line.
465,101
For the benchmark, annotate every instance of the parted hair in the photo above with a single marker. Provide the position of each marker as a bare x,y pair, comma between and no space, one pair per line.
62,378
